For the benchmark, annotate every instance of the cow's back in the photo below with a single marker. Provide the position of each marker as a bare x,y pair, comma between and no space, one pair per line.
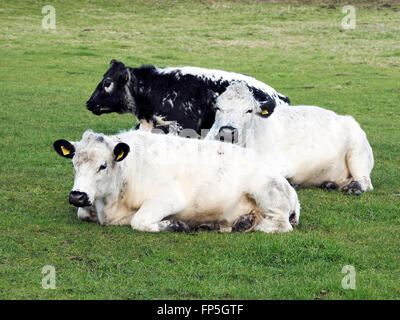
207,171
182,94
312,141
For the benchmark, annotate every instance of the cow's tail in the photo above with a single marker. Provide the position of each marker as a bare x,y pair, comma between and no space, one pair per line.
284,98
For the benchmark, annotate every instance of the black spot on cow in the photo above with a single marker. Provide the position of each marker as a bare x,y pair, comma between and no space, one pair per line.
122,191
284,98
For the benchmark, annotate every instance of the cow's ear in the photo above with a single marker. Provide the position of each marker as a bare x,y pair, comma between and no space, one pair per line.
64,148
113,61
124,76
266,108
121,150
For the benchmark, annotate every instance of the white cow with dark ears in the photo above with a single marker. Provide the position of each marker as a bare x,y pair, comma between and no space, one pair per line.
309,145
160,182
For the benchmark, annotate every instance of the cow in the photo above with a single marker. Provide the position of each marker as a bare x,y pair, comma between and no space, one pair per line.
157,182
172,98
309,145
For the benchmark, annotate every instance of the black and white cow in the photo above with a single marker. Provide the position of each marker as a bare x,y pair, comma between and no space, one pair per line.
180,98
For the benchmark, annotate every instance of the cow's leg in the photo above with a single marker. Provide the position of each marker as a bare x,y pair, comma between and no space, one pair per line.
274,223
353,187
295,186
277,201
177,226
145,125
150,217
208,226
329,186
360,164
294,219
360,161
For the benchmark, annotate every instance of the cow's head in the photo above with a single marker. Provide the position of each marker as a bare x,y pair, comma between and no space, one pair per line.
235,110
96,164
112,93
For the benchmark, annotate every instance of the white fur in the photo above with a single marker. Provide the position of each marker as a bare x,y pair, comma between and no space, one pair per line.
190,180
110,88
308,145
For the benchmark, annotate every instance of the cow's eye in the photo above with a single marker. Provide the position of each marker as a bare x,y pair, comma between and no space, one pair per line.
249,111
103,166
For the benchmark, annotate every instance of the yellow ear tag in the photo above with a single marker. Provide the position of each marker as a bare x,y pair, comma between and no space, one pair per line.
65,151
217,93
265,112
120,155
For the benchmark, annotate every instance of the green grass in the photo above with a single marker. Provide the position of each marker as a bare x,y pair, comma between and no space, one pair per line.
46,77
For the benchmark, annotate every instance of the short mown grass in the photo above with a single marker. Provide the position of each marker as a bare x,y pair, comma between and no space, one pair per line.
301,50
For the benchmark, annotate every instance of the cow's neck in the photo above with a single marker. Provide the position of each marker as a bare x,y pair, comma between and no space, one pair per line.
130,102
112,209
120,207
137,94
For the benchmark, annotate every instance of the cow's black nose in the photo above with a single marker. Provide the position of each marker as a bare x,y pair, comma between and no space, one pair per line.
228,134
79,199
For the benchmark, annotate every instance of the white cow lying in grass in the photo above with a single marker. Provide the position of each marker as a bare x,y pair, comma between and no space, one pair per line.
158,183
309,145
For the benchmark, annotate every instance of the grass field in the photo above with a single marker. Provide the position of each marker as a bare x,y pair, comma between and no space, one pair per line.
301,50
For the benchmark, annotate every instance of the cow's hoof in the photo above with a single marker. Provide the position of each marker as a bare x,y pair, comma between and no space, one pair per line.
295,186
354,187
209,226
293,220
179,226
244,223
329,186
